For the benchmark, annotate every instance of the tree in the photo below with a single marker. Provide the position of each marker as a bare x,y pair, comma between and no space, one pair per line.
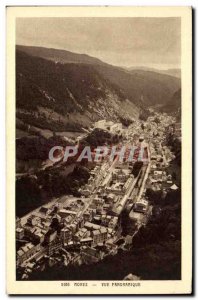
156,120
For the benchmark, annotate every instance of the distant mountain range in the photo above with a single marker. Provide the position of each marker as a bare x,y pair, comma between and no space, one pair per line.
58,55
58,90
66,97
171,72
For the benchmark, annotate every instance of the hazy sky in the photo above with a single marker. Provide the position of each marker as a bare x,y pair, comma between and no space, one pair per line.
152,42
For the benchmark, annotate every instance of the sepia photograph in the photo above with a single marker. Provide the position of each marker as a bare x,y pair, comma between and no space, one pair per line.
100,127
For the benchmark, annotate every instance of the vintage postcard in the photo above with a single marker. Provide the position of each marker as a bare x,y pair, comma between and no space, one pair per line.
99,150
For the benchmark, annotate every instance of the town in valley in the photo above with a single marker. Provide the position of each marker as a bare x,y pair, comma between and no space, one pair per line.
74,231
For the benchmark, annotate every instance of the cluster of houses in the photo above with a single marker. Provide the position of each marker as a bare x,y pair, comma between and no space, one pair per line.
77,224
70,223
90,225
159,179
115,128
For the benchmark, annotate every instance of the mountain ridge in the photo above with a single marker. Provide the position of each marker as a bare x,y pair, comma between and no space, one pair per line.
175,72
59,55
61,82
65,96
